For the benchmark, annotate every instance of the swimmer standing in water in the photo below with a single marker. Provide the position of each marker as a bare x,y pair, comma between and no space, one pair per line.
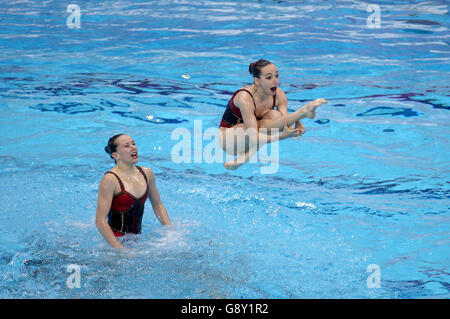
252,109
123,191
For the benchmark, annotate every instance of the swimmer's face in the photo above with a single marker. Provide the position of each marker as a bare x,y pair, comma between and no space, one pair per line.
268,79
126,150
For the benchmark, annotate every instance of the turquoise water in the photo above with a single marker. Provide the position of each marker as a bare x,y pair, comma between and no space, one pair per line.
367,184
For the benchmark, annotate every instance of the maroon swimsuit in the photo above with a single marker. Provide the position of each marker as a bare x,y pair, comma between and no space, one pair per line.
232,114
125,215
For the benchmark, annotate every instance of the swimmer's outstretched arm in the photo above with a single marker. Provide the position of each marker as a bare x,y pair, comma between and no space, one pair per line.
105,196
153,194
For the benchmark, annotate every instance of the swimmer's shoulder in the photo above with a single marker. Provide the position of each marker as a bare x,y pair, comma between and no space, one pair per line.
109,183
109,178
148,173
280,92
244,99
281,97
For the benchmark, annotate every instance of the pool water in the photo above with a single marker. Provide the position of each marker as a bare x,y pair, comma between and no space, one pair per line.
368,184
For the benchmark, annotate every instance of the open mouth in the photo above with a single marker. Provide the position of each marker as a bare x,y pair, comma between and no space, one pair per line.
274,89
134,155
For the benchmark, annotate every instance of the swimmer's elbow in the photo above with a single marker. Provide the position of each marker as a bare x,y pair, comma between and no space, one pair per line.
100,223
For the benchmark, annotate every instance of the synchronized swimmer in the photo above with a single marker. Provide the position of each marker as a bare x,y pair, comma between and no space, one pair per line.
123,192
258,110
253,113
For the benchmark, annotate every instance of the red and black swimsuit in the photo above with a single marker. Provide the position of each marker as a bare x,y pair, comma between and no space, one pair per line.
125,215
232,114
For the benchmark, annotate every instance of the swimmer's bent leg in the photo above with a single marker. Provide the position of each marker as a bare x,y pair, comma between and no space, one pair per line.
274,120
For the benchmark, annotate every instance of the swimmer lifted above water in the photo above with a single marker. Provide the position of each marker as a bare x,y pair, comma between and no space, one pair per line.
123,191
256,109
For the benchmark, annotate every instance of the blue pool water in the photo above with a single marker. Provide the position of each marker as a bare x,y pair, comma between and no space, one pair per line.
368,184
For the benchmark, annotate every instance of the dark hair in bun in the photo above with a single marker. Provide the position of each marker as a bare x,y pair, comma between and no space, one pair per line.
112,146
255,67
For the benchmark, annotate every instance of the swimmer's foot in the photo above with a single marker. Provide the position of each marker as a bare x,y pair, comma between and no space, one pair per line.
309,110
232,165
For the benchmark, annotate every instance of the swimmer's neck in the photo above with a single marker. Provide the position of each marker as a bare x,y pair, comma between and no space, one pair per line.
125,168
258,94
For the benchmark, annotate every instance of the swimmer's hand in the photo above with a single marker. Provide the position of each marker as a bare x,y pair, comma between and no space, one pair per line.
128,251
292,131
302,129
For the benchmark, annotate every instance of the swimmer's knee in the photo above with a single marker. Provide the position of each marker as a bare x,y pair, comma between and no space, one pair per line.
271,114
267,121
